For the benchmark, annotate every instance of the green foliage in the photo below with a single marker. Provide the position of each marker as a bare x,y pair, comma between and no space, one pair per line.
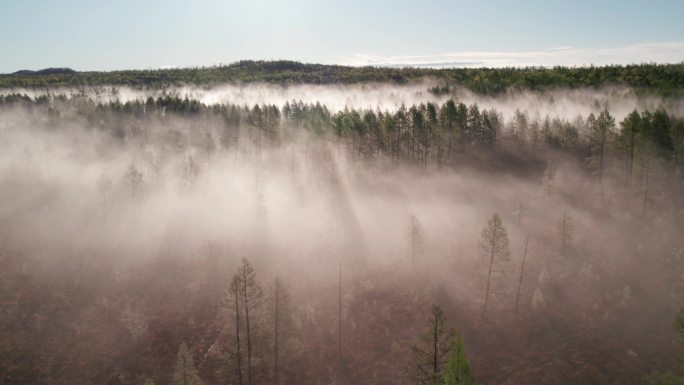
420,134
494,246
431,352
457,369
663,378
494,240
601,135
250,290
679,323
286,334
657,132
668,377
439,355
662,79
185,373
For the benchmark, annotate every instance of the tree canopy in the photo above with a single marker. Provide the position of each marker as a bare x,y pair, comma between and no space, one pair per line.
663,79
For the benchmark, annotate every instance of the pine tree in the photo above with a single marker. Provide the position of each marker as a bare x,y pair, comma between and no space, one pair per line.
494,245
601,133
285,341
448,122
104,185
566,231
474,123
339,315
251,295
431,352
668,377
285,337
549,179
522,271
190,172
277,295
415,236
457,369
678,324
133,181
185,373
648,172
658,133
538,300
629,138
520,127
677,130
234,304
417,128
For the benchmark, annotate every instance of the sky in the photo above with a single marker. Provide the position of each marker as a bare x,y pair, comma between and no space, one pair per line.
139,34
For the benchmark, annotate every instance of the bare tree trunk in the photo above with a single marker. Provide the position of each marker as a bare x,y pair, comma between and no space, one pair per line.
426,155
353,149
489,278
413,143
413,251
522,270
563,234
434,357
339,315
648,166
360,147
451,137
397,145
439,152
631,154
400,143
601,157
237,332
370,144
426,147
249,336
275,344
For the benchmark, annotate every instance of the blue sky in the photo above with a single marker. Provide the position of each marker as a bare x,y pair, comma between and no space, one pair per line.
123,34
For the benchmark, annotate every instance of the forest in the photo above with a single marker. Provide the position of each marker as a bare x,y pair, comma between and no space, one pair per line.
486,226
662,79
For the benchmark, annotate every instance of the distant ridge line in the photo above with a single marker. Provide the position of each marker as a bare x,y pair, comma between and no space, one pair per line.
46,71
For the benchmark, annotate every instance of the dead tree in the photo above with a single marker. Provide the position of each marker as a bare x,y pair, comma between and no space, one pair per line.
235,293
251,294
415,236
431,352
494,245
339,316
565,232
522,271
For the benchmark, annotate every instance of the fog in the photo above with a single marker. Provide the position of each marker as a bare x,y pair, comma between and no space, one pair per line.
312,199
303,206
561,103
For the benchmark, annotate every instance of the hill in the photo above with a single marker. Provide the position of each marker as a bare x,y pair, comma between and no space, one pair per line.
661,79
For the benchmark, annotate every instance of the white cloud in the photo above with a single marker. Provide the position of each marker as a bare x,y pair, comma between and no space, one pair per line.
669,52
